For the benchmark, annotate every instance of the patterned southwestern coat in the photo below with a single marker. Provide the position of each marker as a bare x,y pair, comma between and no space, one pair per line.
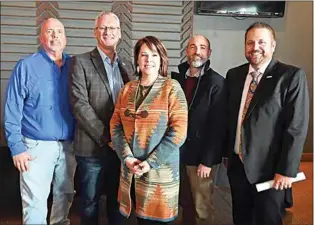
155,137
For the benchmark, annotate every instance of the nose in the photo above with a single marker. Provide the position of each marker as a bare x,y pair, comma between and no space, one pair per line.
198,51
149,58
54,34
256,46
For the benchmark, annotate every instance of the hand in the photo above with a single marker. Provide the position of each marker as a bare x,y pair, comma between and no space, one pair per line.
133,164
203,171
21,161
144,167
282,182
110,145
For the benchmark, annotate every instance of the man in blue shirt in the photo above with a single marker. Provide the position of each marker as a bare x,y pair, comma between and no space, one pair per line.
96,81
39,127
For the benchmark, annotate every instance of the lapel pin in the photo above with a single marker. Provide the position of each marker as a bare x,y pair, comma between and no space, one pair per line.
123,64
269,77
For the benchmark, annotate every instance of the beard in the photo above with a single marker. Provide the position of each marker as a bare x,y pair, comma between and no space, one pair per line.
255,57
196,61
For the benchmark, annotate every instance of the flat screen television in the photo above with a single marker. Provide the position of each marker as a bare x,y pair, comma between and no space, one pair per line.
241,8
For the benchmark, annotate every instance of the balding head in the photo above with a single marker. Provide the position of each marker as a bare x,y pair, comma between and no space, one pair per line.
198,51
52,36
199,38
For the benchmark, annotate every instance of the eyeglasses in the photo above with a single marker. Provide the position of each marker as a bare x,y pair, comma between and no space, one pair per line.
143,114
109,29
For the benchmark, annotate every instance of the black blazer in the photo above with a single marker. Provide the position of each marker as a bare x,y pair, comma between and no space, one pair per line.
276,123
206,118
92,102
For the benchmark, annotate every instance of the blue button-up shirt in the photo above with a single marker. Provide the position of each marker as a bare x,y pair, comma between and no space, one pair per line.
37,101
113,74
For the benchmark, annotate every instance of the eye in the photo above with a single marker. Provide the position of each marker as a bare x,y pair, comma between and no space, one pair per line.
155,55
261,42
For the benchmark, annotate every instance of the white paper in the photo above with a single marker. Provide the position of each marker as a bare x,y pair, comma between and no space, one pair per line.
269,184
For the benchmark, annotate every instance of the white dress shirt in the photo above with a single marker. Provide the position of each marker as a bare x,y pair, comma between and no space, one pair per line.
243,99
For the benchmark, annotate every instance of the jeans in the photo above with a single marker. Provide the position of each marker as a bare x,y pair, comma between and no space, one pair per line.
53,163
96,174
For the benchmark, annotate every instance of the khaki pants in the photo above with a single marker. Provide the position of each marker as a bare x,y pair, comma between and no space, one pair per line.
196,197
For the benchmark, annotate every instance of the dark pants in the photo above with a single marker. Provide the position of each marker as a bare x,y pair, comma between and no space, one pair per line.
95,175
149,222
249,206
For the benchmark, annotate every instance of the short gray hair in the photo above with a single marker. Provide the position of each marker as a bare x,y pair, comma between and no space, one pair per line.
105,13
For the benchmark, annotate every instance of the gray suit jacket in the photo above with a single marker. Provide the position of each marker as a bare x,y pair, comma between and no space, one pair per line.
92,103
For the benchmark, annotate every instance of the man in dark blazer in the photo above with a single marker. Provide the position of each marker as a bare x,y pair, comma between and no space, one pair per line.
268,113
96,81
206,95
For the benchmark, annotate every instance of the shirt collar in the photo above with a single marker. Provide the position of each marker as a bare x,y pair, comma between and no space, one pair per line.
106,58
261,70
201,73
46,56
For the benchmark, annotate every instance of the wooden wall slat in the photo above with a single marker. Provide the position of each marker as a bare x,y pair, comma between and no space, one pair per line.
156,27
95,6
19,21
18,39
9,11
159,10
21,4
18,30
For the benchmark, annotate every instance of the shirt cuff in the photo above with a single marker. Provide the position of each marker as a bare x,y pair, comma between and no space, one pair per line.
18,148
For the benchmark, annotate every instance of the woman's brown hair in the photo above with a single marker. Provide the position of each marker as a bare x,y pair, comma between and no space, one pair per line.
151,42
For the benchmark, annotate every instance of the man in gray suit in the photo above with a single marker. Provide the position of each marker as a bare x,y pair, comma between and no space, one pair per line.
96,81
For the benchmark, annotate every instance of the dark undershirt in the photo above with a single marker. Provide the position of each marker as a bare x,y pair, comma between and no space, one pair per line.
190,85
141,94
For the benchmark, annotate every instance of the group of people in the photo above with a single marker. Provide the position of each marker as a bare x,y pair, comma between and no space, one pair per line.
150,141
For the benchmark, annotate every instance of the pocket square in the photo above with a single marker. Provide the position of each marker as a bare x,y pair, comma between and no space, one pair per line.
269,77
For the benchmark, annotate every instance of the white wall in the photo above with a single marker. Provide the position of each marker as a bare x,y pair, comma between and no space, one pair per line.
294,42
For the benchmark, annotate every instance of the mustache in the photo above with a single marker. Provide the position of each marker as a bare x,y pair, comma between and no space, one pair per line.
55,41
256,51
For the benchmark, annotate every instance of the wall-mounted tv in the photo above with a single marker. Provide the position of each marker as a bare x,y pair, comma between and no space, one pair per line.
241,8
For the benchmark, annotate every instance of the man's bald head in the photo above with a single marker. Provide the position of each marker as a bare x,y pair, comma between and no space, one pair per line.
52,36
198,51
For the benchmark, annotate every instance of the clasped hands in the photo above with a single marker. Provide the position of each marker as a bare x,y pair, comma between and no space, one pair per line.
137,166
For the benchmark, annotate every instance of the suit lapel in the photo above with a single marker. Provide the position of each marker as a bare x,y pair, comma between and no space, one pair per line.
265,83
100,67
238,83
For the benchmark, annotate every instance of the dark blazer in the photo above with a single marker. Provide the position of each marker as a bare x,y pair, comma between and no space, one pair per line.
92,102
206,118
276,123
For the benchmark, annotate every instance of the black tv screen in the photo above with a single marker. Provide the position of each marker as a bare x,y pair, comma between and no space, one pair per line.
241,8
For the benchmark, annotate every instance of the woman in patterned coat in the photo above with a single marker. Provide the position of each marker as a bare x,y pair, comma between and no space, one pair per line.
147,128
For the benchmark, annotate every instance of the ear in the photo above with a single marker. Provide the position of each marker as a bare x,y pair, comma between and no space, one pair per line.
209,52
40,38
273,46
95,30
119,35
